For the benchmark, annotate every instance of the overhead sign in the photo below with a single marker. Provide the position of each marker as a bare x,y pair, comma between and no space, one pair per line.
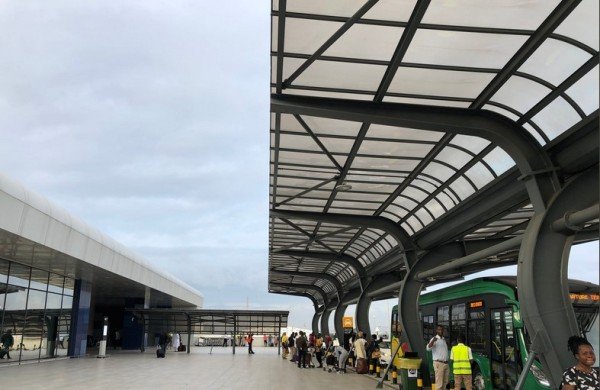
476,304
348,322
584,298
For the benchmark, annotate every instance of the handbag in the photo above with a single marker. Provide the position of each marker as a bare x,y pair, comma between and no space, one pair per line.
361,366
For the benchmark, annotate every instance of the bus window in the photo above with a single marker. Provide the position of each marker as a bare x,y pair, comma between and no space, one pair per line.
459,321
395,328
476,335
428,328
443,316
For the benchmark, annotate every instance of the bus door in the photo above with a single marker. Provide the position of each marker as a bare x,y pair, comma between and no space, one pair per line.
504,352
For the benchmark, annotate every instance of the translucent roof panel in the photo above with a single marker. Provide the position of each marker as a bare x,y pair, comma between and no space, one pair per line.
585,91
514,14
582,24
554,61
461,57
440,82
463,48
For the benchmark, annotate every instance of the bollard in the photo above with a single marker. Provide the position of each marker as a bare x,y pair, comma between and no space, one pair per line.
419,383
371,369
378,371
395,377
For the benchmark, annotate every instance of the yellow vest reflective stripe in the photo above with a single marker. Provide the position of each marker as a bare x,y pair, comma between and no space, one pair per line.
461,364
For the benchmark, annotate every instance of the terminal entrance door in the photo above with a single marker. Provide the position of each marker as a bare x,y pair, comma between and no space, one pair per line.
504,350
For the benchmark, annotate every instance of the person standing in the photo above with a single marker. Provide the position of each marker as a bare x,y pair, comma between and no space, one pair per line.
360,349
319,349
249,341
284,345
461,357
302,345
264,340
163,340
7,340
292,343
439,351
582,375
176,341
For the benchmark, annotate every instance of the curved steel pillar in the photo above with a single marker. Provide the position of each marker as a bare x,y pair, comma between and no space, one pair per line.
381,284
362,313
543,261
408,301
325,316
315,322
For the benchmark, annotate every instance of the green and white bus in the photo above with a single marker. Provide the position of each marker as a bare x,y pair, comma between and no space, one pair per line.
486,311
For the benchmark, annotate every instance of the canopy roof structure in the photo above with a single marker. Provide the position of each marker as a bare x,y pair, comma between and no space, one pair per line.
398,127
215,321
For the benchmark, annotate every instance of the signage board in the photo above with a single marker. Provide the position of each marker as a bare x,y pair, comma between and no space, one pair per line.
348,322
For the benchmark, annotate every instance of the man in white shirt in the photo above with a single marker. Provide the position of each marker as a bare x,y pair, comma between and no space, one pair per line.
439,350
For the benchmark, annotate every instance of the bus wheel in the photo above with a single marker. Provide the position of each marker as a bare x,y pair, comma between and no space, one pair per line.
478,380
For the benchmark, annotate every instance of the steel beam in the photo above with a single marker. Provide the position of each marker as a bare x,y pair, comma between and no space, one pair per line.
380,285
381,223
448,266
408,300
536,169
556,17
543,261
300,286
574,221
316,275
315,322
299,294
325,316
330,257
338,317
574,151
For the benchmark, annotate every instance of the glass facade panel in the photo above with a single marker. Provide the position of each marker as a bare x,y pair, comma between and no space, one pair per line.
69,286
39,320
55,283
19,275
3,272
39,279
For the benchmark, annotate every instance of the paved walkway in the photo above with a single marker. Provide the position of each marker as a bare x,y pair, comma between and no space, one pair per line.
198,370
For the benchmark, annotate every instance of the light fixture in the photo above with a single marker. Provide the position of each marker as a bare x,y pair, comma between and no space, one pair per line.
343,187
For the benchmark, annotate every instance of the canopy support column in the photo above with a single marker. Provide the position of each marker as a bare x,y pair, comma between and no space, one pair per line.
325,316
362,313
315,322
542,278
234,333
408,300
189,334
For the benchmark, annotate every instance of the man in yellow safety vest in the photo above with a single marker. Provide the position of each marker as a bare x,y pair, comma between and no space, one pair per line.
461,358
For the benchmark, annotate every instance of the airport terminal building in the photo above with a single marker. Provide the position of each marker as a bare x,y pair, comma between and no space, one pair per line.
59,279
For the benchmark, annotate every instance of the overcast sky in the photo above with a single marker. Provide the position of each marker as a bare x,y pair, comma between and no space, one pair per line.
150,121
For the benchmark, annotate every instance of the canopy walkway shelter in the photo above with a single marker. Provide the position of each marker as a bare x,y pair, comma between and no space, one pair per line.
417,141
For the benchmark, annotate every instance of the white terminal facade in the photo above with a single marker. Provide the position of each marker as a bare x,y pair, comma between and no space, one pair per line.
59,279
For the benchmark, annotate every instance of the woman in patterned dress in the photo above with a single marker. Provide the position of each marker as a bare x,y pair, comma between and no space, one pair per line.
582,375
